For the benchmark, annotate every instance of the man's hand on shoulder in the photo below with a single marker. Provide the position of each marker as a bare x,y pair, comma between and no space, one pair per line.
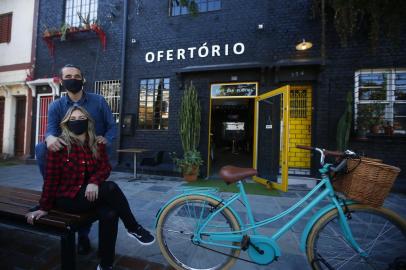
54,143
101,139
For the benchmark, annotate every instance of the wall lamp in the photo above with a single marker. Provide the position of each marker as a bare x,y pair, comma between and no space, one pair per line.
304,45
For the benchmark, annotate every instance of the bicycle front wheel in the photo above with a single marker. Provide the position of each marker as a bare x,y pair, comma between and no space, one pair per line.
176,228
380,232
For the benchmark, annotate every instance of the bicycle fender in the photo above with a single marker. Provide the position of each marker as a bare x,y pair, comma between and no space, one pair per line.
158,214
313,220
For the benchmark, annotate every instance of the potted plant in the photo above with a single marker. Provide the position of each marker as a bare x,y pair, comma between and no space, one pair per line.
372,115
361,128
64,31
85,21
189,125
388,128
94,25
189,164
46,32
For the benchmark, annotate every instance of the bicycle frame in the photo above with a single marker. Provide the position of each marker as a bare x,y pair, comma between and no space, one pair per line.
326,191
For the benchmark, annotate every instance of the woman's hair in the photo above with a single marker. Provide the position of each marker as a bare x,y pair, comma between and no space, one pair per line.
71,138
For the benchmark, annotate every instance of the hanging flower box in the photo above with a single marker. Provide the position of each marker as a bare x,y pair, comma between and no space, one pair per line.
50,36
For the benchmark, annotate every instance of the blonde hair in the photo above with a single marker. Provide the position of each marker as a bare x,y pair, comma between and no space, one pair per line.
71,138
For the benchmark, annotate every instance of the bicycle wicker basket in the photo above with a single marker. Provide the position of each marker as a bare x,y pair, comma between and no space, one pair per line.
368,181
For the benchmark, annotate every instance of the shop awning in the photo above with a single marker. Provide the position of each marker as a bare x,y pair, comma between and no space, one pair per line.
233,66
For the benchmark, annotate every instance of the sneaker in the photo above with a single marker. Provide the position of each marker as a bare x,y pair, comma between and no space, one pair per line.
143,236
104,268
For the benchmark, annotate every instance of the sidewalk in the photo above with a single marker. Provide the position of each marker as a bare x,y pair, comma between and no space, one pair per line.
28,250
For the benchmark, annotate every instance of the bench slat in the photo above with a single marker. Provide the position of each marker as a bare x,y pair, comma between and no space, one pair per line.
21,195
16,202
18,213
19,190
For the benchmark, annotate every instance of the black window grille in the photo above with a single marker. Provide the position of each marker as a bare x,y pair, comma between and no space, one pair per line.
85,8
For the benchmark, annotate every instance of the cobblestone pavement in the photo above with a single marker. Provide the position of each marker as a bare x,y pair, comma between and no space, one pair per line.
30,250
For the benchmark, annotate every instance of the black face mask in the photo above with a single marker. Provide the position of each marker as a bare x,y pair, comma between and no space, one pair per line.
72,85
78,126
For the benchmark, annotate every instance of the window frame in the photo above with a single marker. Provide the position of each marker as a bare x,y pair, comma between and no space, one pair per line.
72,19
144,126
184,11
389,102
112,100
7,36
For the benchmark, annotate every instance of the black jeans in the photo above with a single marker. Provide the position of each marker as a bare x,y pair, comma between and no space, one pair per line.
110,205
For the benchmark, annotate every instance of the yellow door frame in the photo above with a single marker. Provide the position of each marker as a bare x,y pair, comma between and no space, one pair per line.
285,92
223,97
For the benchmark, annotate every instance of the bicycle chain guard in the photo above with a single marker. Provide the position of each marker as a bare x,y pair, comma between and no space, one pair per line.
262,250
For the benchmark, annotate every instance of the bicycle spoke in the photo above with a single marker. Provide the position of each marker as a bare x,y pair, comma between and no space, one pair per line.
180,225
382,238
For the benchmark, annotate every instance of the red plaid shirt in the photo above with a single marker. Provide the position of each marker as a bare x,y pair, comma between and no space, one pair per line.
65,174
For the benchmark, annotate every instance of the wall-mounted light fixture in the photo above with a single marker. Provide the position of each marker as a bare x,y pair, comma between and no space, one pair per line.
304,45
260,26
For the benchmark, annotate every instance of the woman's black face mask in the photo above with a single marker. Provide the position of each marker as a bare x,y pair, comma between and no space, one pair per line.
78,126
72,85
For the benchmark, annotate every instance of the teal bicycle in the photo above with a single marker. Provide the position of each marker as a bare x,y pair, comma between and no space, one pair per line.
199,230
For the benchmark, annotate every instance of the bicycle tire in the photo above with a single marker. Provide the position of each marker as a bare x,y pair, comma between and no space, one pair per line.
327,249
193,256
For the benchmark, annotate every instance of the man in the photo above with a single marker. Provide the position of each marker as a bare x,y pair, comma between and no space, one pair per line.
72,81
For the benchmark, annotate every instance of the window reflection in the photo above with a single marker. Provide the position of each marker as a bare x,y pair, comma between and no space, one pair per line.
201,5
154,104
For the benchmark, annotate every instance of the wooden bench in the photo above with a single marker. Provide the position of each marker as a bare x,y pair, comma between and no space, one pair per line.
16,202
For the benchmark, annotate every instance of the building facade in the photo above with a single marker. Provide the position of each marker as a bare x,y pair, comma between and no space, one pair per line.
260,96
17,52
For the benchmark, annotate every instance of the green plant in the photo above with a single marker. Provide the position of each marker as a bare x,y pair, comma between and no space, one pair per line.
344,125
191,6
189,119
189,130
370,115
64,31
85,20
379,17
191,161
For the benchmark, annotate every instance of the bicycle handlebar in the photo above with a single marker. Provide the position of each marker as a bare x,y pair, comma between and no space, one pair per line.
325,152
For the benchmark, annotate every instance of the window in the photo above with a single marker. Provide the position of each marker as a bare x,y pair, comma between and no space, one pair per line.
201,6
110,90
5,27
154,104
86,8
380,99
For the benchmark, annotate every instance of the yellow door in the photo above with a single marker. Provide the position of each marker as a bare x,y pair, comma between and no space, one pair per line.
300,126
271,140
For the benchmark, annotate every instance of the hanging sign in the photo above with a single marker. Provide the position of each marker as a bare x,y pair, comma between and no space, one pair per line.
227,90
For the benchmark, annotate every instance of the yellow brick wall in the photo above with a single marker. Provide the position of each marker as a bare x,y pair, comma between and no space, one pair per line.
300,127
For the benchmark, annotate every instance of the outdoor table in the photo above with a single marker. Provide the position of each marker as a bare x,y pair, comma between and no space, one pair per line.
135,151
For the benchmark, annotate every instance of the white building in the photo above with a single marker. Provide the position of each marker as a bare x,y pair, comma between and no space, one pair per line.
17,58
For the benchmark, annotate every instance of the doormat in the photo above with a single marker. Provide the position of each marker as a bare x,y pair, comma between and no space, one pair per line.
250,188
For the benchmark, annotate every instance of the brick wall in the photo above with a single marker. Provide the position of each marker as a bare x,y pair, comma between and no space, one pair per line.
285,24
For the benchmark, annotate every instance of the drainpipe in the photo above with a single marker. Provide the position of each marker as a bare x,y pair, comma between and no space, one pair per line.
122,78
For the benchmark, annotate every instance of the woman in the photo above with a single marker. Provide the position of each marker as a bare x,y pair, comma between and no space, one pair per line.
75,181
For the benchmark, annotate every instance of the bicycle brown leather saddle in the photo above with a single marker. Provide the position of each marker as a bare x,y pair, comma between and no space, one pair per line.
231,174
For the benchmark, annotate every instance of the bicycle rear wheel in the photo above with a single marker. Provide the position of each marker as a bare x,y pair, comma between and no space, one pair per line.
177,225
379,231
